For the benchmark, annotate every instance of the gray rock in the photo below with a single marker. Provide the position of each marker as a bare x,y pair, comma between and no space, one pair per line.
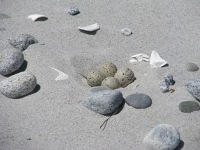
2,29
18,85
4,16
10,61
73,10
162,137
138,100
99,89
22,41
189,106
126,31
166,82
105,102
191,67
193,87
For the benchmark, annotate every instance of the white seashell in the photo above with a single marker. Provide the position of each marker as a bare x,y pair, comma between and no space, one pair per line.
126,31
37,17
156,61
90,28
139,57
61,76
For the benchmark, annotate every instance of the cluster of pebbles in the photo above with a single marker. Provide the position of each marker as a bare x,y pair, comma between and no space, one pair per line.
108,75
20,84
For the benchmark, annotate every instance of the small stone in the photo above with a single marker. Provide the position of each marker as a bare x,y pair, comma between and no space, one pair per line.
191,67
111,82
10,61
22,41
166,82
162,137
189,106
126,31
105,102
73,10
138,100
125,76
18,85
193,87
4,16
2,29
98,89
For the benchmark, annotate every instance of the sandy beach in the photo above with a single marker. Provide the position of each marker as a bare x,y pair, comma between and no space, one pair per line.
53,118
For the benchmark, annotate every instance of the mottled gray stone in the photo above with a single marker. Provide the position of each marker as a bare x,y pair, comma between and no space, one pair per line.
2,29
10,61
126,31
191,67
189,106
162,137
138,100
22,41
99,89
105,102
73,10
18,85
166,82
193,87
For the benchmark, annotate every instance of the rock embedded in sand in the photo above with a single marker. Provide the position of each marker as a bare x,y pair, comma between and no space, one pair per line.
108,69
162,137
99,89
10,61
126,31
95,78
111,82
125,76
105,102
189,106
73,10
18,85
193,87
22,41
166,82
191,67
138,100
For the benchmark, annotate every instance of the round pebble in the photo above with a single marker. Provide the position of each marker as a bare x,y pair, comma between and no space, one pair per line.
10,61
189,106
111,82
138,100
73,10
126,31
191,67
162,137
18,85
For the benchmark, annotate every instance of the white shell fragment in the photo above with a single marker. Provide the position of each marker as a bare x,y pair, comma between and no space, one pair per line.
126,31
139,57
156,61
90,28
37,17
61,76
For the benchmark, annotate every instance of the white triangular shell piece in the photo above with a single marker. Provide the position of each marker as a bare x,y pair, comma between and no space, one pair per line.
139,57
90,28
156,61
37,17
61,75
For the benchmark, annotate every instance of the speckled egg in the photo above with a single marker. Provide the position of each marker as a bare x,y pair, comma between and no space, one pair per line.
95,78
111,82
108,69
125,76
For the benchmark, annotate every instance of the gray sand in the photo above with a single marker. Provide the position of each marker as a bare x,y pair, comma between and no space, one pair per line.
53,118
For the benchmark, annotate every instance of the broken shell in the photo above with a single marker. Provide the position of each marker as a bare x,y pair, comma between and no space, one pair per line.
37,17
126,31
139,57
111,82
125,76
90,28
61,75
156,61
108,69
95,78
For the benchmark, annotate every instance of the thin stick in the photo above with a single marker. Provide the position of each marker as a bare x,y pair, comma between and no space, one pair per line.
106,121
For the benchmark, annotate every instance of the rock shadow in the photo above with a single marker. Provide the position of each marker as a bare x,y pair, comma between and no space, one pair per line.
180,146
89,32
